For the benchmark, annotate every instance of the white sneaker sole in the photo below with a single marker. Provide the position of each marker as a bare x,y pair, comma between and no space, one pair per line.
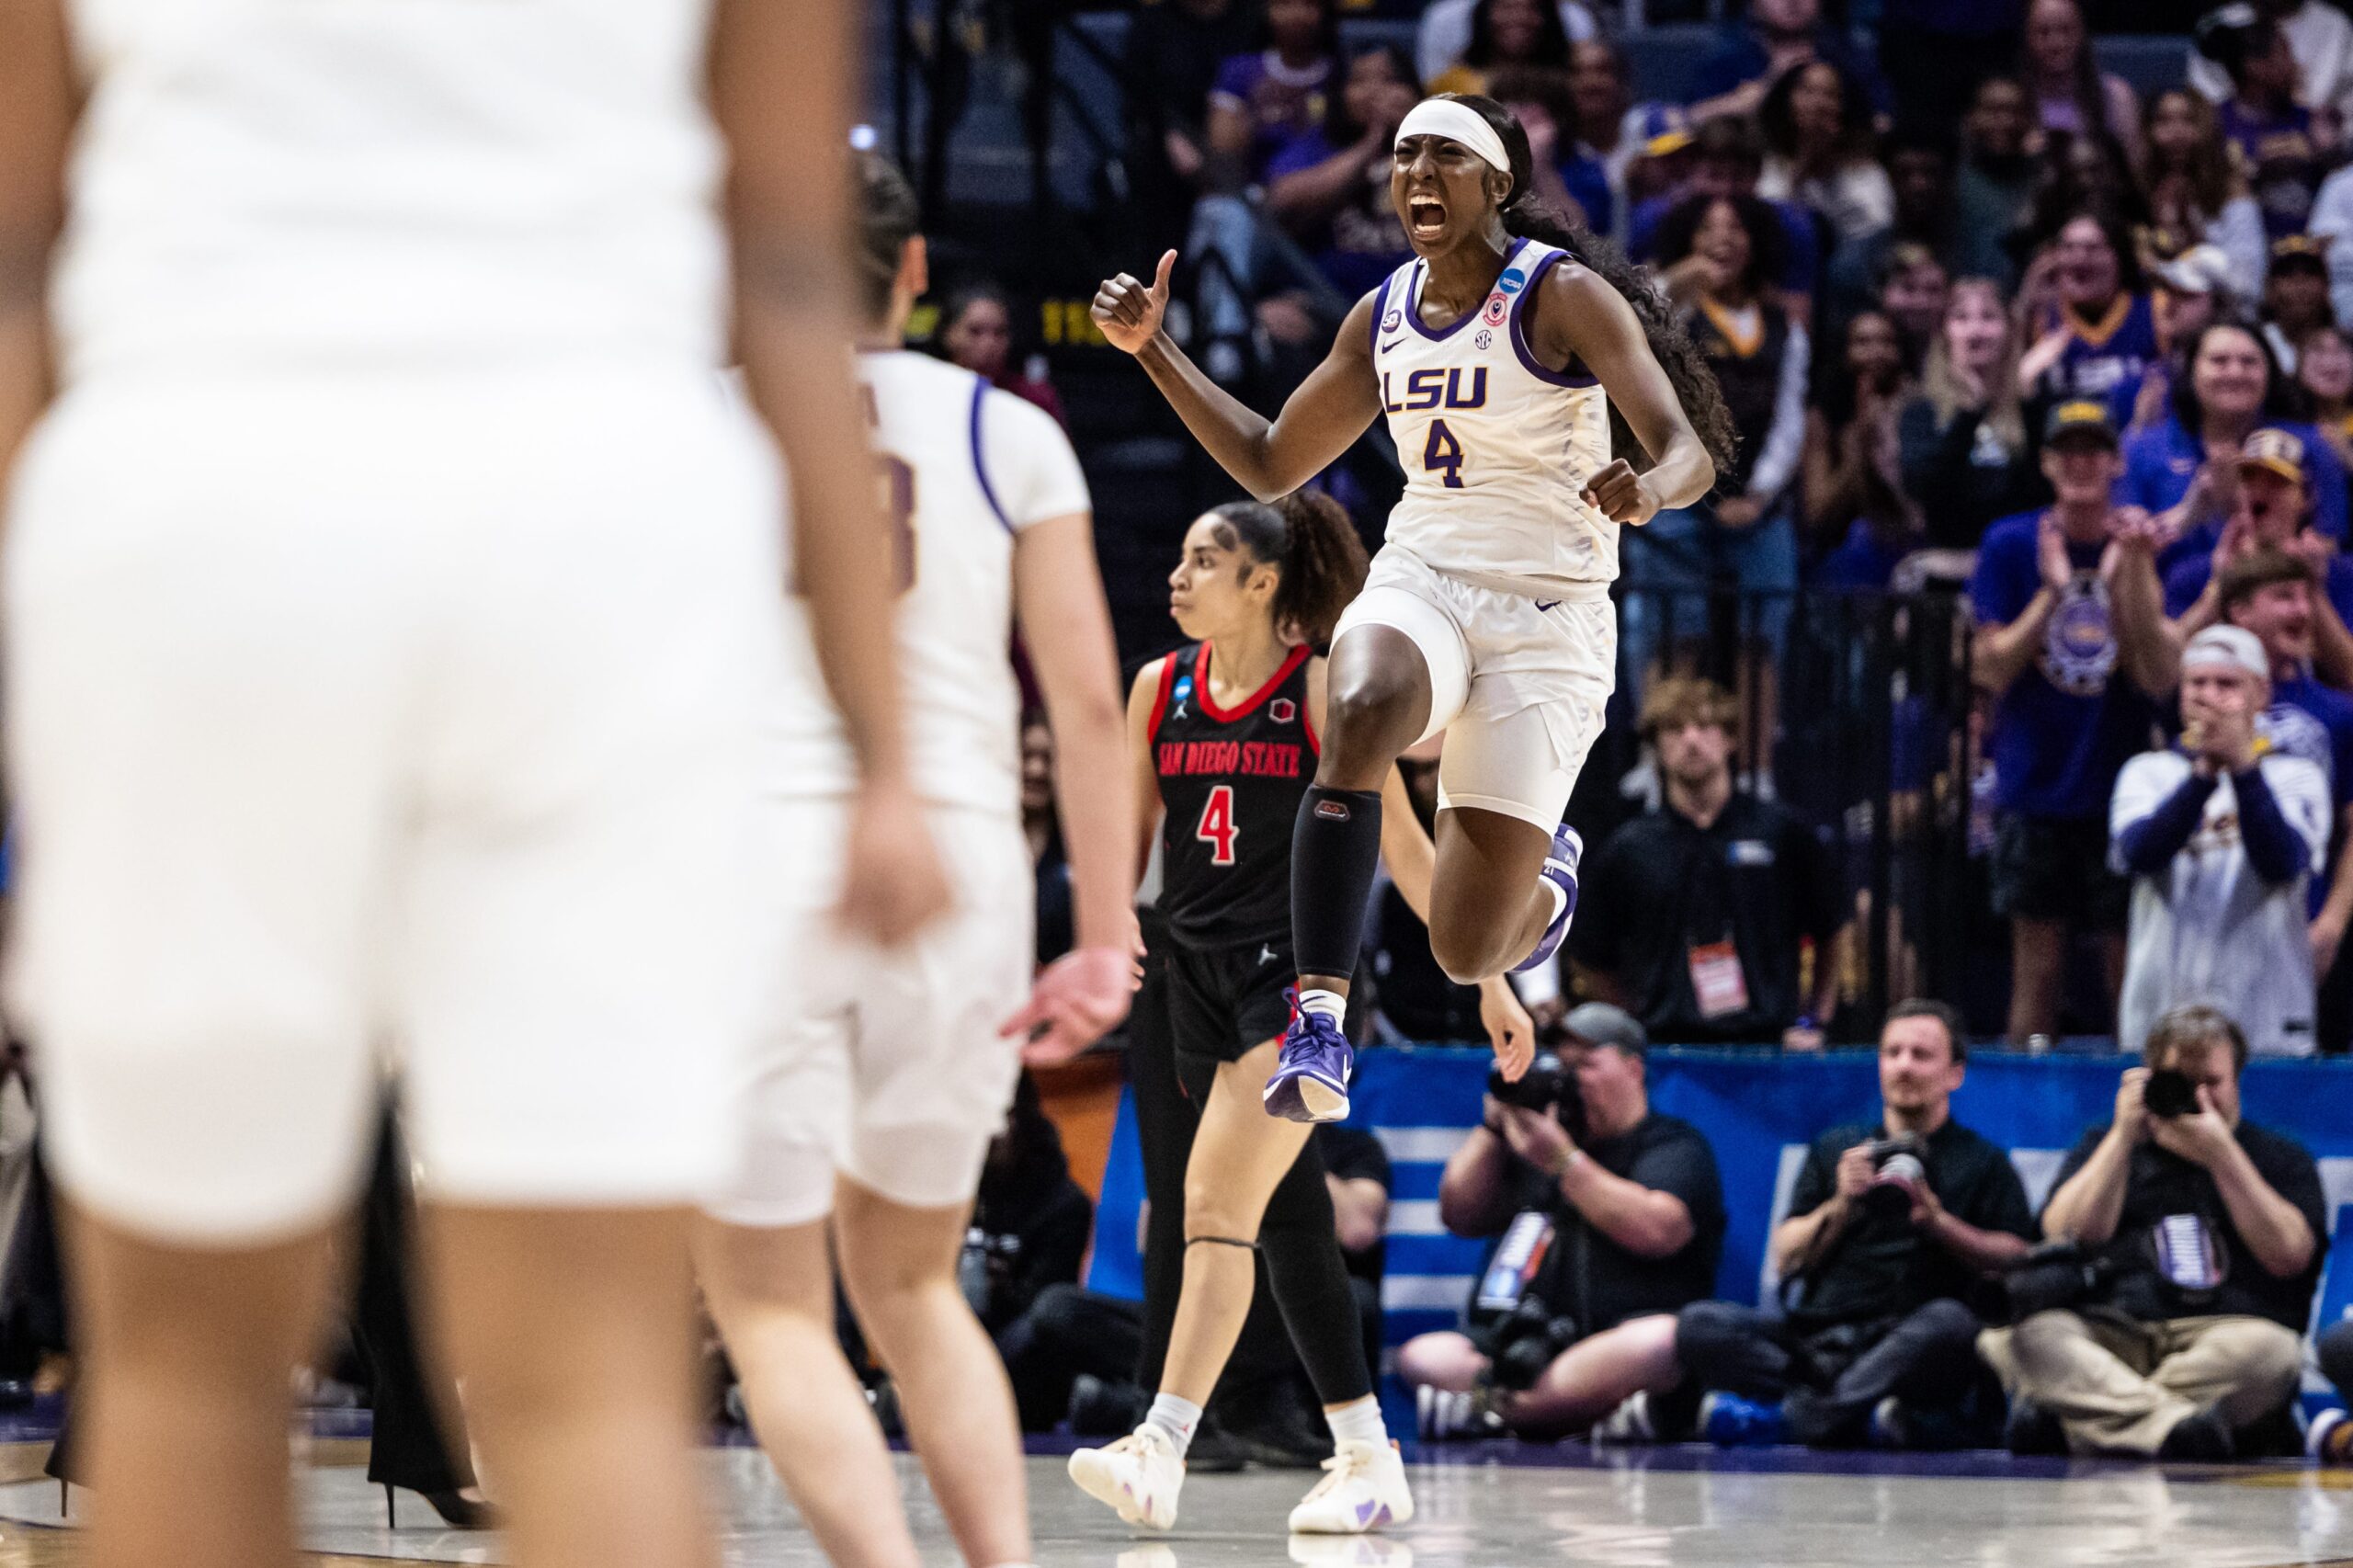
1400,1511
1322,1102
1343,1530
1101,1483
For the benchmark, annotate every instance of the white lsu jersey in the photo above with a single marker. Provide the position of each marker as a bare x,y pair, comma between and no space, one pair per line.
1496,448
964,469
426,182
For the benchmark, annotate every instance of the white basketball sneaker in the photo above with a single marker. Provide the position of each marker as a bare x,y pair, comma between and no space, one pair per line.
1139,1476
1363,1488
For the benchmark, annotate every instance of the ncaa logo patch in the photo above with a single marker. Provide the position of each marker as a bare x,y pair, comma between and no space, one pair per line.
1282,709
1392,321
1510,283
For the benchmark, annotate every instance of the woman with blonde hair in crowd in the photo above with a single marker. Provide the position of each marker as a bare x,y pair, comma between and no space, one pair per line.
1961,441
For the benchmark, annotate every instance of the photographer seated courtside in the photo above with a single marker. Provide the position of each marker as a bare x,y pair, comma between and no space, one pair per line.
2200,1234
1895,1232
1610,1216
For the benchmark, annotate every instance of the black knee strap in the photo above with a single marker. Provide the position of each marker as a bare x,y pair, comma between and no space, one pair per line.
1221,1242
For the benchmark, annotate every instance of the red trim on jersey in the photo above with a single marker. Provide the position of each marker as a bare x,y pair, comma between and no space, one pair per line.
1307,724
1299,656
1160,703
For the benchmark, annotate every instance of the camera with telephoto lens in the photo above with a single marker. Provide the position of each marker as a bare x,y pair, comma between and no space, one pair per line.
1525,1341
1899,1173
1549,1081
2054,1275
2169,1094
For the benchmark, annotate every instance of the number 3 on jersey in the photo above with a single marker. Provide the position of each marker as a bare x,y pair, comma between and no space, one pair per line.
1217,829
1443,453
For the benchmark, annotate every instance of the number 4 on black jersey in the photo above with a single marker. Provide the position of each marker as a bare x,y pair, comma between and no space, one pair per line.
1231,780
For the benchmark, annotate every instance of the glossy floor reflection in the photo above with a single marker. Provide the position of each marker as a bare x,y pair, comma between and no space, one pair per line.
1675,1508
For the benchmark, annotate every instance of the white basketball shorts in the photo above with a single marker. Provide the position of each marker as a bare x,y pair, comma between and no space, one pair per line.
885,1067
1519,685
361,717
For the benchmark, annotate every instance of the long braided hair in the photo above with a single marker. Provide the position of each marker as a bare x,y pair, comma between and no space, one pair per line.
1695,383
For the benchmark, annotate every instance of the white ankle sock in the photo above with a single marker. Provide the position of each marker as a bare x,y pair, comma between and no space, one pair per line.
1358,1421
1177,1418
1331,1004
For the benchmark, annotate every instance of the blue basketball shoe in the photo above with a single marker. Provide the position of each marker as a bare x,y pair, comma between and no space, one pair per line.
1731,1421
1561,870
1311,1077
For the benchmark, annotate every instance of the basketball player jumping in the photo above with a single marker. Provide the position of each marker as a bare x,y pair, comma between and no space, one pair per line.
392,596
873,1099
1499,357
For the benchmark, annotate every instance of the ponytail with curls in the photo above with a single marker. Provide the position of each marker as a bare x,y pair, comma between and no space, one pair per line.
1687,369
1307,538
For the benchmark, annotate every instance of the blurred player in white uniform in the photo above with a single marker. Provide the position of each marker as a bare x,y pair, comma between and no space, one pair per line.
885,1077
389,601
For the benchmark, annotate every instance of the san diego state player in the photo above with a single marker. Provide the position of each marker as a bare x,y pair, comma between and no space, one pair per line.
1225,737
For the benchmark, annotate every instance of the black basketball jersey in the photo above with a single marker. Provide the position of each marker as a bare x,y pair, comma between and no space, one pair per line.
1231,780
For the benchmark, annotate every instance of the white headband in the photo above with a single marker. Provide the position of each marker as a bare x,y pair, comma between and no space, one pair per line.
1445,116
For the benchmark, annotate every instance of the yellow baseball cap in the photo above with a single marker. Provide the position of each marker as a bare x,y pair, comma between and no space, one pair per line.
2274,451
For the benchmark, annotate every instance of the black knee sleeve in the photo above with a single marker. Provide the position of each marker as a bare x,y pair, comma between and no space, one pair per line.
1335,851
1309,1277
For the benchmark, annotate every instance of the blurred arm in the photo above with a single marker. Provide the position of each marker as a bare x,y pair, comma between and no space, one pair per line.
37,112
1058,594
788,200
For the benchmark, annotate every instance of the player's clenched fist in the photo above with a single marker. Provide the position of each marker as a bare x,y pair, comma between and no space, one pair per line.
1128,311
1620,494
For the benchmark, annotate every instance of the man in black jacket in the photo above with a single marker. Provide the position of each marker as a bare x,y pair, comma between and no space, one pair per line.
1698,908
1891,1233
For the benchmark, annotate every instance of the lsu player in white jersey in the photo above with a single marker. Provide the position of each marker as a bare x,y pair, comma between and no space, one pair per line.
391,598
1541,397
875,1095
